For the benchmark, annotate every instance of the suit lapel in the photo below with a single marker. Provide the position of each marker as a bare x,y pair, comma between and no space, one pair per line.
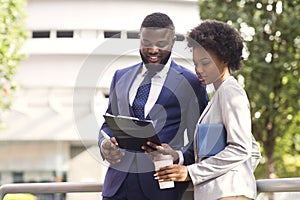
204,112
207,108
123,88
174,77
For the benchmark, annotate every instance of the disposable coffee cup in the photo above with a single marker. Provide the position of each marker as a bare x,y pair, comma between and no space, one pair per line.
162,161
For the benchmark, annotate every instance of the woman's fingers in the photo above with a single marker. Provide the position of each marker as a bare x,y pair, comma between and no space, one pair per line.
172,173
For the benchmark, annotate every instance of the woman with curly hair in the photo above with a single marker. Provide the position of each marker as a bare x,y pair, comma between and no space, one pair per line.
217,52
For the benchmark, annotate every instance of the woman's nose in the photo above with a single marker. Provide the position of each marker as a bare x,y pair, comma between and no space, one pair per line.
198,69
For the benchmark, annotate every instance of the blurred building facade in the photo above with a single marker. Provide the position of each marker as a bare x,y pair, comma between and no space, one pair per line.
52,129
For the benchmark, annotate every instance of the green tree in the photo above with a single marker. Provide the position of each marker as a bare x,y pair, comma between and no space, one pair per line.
12,36
271,32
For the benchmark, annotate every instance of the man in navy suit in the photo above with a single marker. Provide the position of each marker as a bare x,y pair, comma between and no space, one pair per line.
174,104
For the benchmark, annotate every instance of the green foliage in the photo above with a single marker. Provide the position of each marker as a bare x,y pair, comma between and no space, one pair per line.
12,36
271,32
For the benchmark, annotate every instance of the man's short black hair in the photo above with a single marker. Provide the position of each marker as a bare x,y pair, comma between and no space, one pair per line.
158,20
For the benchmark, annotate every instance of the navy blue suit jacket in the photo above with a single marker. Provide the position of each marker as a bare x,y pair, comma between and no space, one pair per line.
174,114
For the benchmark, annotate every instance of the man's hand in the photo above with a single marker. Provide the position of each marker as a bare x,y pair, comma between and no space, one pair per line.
178,173
154,150
111,151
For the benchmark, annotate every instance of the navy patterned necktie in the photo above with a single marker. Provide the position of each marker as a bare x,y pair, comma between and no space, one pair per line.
141,97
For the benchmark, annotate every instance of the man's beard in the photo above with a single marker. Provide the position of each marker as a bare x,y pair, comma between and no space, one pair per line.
155,67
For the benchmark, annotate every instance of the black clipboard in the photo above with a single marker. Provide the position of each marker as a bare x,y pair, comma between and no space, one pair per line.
131,133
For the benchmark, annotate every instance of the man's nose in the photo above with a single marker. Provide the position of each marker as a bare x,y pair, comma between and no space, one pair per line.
153,49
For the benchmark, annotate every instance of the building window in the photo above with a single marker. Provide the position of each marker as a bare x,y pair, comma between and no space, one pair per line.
133,35
40,34
112,34
18,177
179,37
64,34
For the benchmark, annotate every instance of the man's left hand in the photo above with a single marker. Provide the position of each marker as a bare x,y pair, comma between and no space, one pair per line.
154,150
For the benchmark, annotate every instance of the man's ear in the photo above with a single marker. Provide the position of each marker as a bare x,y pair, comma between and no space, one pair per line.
174,39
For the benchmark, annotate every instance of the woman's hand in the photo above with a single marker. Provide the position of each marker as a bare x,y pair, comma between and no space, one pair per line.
178,173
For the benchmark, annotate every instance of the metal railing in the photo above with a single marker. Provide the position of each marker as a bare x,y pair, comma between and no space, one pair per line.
263,185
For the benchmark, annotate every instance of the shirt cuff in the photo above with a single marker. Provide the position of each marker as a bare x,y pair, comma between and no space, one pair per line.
180,158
